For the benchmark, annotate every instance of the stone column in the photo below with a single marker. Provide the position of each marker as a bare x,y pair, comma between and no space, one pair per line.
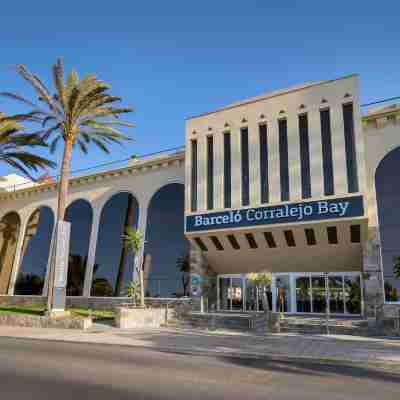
200,282
92,252
18,256
372,274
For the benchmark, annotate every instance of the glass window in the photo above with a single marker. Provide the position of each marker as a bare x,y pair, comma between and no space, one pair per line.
79,214
310,236
319,302
113,268
269,238
193,189
35,252
244,135
327,161
350,146
227,170
352,294
166,244
289,237
332,235
217,243
210,173
9,233
303,294
336,301
251,240
234,243
282,293
388,200
264,163
283,159
304,157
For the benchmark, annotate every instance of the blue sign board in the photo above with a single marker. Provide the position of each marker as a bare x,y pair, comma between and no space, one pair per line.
282,214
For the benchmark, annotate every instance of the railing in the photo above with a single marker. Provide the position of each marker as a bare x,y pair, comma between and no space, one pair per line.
117,164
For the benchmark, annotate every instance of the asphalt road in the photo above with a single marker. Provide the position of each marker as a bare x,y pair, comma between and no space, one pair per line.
53,370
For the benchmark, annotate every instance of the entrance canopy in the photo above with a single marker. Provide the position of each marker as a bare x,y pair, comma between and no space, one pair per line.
323,246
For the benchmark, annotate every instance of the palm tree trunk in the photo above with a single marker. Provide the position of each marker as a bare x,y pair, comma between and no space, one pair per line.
62,205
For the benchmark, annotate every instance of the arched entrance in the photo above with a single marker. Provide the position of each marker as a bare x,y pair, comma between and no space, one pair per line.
388,201
166,244
9,232
35,252
113,267
80,214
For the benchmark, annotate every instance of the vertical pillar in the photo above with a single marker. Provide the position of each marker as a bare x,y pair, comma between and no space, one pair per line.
92,252
293,300
142,225
18,256
273,293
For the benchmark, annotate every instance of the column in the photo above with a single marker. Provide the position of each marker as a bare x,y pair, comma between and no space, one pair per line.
316,169
236,168
92,252
18,256
254,164
294,156
273,293
293,300
338,150
142,225
273,162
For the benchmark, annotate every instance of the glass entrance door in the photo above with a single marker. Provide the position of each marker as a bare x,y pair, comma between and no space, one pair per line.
231,293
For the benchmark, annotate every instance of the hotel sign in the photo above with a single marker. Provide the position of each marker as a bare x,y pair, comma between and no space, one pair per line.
281,214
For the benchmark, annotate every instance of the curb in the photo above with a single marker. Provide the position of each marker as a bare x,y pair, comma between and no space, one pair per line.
393,366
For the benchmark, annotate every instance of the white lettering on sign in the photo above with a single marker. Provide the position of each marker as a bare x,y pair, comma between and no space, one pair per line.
292,212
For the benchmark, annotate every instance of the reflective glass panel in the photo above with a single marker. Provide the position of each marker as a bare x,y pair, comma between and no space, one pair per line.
336,301
318,294
35,253
352,294
303,294
282,293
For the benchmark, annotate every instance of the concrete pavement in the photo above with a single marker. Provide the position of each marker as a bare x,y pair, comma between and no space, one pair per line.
31,369
349,349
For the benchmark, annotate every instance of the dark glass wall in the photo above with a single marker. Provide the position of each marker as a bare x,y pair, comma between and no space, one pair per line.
114,266
193,184
283,159
304,157
35,252
350,146
244,143
227,170
9,232
327,161
79,213
264,163
167,275
388,200
210,173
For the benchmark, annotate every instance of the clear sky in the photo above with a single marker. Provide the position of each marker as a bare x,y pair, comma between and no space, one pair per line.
173,59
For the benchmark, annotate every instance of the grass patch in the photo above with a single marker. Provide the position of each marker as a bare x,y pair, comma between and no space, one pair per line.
38,310
27,309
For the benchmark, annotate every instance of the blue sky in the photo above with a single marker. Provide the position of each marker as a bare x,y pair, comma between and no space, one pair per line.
174,59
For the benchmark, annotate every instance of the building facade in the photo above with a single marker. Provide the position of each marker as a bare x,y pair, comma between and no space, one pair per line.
297,183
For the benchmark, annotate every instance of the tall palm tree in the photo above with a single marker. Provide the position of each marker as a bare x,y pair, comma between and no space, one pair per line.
15,145
81,112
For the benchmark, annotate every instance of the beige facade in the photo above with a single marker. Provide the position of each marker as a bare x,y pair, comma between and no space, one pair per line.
310,100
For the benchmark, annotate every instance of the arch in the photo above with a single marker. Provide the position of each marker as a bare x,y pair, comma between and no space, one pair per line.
35,252
10,226
388,202
113,267
166,246
80,214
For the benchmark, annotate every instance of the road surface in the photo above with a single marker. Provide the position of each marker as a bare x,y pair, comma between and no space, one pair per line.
43,370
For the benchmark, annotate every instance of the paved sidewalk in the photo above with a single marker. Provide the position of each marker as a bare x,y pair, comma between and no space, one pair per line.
339,348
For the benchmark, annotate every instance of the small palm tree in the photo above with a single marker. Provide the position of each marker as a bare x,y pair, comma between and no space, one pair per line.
81,112
183,265
134,241
396,267
14,146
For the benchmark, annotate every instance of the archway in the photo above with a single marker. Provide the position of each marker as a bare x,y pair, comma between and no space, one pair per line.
35,252
166,244
388,201
113,263
10,226
80,214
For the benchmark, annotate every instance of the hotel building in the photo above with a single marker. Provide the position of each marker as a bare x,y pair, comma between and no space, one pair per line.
297,183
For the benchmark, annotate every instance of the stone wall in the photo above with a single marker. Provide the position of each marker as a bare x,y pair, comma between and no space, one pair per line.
31,321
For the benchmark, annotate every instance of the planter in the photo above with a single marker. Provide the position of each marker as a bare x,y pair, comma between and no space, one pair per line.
131,317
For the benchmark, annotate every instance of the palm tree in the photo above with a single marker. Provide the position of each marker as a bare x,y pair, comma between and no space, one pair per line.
134,241
183,265
81,112
14,146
